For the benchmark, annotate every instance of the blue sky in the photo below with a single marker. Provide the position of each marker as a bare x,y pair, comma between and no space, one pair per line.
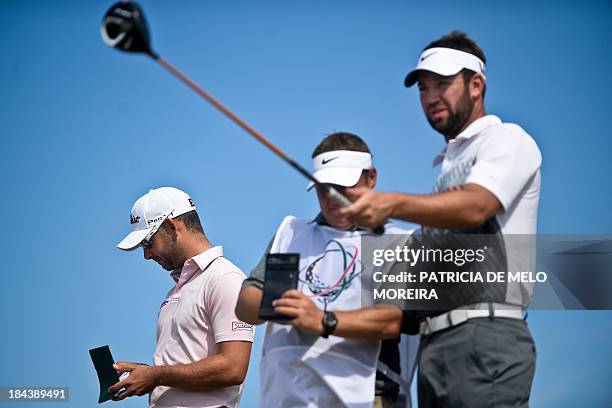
85,130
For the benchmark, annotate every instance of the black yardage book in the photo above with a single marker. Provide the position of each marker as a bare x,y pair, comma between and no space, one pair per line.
107,376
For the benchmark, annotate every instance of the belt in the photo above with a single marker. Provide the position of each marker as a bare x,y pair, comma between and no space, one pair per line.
455,317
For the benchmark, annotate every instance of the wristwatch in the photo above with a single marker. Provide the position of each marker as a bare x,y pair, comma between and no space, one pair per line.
329,323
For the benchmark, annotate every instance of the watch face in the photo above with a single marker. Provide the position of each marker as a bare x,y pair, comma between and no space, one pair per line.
329,323
330,319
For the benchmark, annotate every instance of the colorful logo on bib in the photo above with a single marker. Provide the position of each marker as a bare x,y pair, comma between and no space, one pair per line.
344,265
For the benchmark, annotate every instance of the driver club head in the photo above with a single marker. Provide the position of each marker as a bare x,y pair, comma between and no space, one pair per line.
124,27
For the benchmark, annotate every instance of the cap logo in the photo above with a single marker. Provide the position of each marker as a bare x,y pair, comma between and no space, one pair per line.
149,222
324,161
191,202
133,219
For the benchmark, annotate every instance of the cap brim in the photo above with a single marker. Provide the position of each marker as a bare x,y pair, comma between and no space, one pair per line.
133,239
341,176
440,69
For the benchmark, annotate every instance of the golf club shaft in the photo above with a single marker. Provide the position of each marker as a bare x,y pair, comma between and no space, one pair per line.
221,107
328,190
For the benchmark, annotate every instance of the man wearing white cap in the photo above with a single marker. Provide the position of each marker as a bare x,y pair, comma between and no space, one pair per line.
203,350
482,354
327,355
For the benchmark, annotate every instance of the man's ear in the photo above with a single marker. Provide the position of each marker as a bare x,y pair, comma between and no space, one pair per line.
372,177
172,226
477,85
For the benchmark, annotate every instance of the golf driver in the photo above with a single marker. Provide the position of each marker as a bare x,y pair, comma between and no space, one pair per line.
124,27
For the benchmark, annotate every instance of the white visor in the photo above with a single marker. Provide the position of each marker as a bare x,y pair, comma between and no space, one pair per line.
445,62
340,167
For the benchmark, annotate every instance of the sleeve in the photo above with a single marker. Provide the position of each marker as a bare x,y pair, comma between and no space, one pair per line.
221,302
505,164
258,274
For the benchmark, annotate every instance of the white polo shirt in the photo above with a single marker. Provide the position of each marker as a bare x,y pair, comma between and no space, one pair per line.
198,313
502,158
505,160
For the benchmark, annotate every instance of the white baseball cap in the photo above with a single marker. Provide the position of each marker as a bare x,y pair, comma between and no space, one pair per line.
151,210
341,167
446,62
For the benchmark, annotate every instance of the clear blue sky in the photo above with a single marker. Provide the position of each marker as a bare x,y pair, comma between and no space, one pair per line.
85,130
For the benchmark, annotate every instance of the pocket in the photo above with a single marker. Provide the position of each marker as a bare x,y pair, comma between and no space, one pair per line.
527,342
524,339
502,347
494,346
484,349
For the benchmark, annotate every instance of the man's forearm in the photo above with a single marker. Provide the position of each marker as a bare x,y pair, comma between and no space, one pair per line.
375,323
213,372
467,208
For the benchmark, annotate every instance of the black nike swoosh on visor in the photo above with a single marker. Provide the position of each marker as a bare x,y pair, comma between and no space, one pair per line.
324,162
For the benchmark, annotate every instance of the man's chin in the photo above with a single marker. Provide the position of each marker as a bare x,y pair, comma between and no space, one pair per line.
341,225
166,267
439,125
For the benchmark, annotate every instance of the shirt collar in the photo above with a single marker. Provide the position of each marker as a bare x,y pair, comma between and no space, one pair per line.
473,129
197,263
320,220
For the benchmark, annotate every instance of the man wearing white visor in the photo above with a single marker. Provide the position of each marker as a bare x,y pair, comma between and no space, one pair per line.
328,353
481,354
340,167
203,350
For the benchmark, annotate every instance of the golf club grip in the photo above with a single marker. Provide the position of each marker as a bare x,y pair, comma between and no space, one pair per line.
345,202
336,196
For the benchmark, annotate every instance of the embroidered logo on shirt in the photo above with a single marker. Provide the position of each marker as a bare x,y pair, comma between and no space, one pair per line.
241,326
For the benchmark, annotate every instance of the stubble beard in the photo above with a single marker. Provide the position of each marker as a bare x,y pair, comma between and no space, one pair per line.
174,254
457,119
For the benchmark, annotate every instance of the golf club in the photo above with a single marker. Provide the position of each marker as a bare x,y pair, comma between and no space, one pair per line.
124,27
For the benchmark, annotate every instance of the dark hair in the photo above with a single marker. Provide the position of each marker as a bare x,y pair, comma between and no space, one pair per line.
341,141
191,221
459,40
